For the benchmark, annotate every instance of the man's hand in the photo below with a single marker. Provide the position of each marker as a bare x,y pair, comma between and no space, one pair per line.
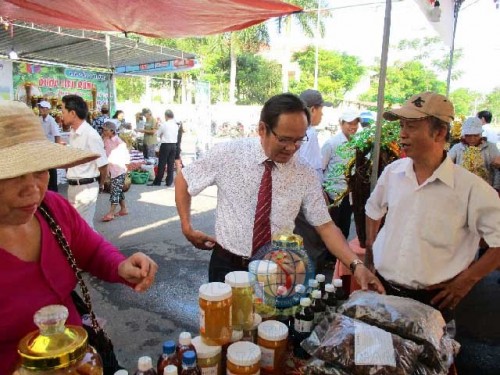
452,291
199,239
367,280
138,269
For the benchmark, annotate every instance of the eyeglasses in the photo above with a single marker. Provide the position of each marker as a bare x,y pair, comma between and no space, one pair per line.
286,140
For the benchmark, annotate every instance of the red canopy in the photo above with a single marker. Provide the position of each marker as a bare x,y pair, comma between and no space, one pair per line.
154,18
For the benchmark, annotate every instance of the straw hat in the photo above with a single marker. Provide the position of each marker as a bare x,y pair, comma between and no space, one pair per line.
24,147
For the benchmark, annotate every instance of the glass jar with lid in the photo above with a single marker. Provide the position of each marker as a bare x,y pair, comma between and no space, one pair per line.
242,284
57,349
215,301
243,358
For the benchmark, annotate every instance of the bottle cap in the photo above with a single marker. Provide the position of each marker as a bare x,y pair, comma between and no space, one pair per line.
203,350
272,330
189,358
240,279
170,370
329,288
215,291
243,353
262,267
236,335
257,319
300,289
316,294
320,278
305,302
313,283
169,347
144,363
121,372
185,338
337,283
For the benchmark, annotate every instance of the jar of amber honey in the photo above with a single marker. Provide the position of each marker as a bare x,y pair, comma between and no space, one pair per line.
272,340
215,301
243,358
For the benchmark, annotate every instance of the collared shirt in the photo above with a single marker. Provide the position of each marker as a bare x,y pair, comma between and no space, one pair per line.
150,139
50,128
86,138
99,122
311,152
490,133
236,169
330,159
431,231
118,156
168,130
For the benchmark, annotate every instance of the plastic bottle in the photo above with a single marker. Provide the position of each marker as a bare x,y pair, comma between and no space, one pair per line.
251,334
170,370
183,346
243,358
189,366
320,278
168,357
318,306
145,366
272,340
339,291
312,286
330,299
242,286
302,327
209,357
122,372
215,313
235,337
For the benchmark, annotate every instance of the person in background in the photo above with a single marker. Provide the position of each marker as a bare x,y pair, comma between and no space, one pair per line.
167,132
366,119
85,180
120,116
53,133
262,184
490,133
149,131
435,213
118,159
100,120
311,153
178,160
35,270
341,212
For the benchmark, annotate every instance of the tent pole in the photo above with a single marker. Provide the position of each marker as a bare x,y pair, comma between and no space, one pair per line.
456,8
381,94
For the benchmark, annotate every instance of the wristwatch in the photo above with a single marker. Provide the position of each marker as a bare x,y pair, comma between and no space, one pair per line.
354,264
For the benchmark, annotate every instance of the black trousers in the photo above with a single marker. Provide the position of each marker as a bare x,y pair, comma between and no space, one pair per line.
221,263
341,216
53,180
166,158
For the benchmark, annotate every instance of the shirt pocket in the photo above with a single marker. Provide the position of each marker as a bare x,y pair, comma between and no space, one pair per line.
440,226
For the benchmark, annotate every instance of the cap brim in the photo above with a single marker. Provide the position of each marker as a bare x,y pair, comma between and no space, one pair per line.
403,113
38,156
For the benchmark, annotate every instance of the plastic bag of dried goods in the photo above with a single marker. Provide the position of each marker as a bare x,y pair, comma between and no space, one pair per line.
318,367
360,348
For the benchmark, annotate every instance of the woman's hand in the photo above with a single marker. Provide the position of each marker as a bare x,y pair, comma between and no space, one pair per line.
138,269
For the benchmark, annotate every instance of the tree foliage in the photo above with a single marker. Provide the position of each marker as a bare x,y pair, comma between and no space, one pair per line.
465,101
257,79
492,102
338,72
130,88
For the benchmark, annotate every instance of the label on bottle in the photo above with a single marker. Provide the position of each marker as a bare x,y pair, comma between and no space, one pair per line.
267,358
202,321
211,370
373,346
303,325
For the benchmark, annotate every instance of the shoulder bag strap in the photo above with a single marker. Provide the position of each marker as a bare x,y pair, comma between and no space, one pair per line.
61,239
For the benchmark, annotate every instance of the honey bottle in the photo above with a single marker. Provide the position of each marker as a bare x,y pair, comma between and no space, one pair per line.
168,357
189,366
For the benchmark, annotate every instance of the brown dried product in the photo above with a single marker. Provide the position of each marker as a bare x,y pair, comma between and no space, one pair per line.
318,367
361,349
405,317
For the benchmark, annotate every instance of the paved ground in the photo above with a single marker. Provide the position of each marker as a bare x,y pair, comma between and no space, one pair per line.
139,323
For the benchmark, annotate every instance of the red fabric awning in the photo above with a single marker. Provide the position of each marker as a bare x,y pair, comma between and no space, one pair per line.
154,18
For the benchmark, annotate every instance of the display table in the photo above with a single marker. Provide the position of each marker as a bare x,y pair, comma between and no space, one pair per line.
343,272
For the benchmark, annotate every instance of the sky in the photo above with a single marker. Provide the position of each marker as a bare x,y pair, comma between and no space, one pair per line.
356,28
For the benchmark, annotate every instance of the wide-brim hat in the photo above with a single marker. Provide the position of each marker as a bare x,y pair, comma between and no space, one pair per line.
426,104
24,147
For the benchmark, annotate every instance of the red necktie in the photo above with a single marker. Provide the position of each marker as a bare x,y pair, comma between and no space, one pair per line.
262,223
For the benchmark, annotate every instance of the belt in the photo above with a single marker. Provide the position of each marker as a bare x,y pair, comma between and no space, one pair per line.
236,260
82,181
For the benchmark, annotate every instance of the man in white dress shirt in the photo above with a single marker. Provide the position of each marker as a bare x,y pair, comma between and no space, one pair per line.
489,131
84,180
435,213
52,132
237,168
167,132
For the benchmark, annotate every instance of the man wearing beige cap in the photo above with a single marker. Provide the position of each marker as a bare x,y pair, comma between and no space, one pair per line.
52,132
435,213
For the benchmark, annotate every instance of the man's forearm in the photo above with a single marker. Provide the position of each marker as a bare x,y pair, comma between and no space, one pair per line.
183,202
103,174
489,262
336,243
372,228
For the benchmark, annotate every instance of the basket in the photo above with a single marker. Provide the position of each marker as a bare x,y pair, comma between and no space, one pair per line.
139,177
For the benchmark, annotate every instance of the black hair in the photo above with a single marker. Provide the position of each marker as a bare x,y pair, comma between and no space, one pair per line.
169,113
437,124
77,104
280,104
486,115
117,113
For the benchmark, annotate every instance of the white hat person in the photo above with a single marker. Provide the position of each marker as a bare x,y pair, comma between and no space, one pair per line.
472,126
24,147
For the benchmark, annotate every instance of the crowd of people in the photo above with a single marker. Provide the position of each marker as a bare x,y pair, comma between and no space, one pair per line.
266,185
